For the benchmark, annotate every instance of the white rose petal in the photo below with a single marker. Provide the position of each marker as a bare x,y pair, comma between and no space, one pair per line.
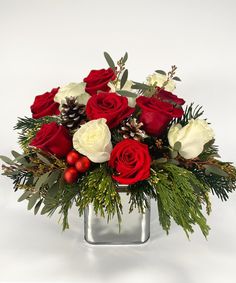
93,140
159,79
127,87
192,137
74,90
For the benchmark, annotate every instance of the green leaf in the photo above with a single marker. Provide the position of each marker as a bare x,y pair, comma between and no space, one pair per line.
173,154
177,146
41,180
109,60
176,79
52,191
32,200
25,195
208,145
43,158
125,58
53,177
15,154
160,160
127,93
140,86
215,170
173,161
6,160
45,209
160,72
124,79
37,206
21,159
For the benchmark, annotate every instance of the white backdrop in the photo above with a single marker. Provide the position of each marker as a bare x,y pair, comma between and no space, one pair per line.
48,43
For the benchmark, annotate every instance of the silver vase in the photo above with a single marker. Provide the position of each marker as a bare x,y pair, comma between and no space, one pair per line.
134,228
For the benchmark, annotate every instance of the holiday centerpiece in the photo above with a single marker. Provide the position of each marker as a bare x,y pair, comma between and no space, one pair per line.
94,142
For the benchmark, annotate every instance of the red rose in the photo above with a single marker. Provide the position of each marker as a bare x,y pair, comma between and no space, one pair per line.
131,161
44,105
53,139
167,96
98,80
110,106
156,114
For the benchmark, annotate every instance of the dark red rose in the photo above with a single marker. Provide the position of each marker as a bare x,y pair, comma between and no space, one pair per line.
131,161
167,96
44,105
156,114
110,106
97,80
54,139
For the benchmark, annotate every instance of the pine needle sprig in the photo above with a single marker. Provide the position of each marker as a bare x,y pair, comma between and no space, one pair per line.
99,189
190,112
139,198
178,198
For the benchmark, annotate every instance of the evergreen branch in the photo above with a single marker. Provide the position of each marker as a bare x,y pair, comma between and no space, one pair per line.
178,198
219,184
99,189
190,112
140,193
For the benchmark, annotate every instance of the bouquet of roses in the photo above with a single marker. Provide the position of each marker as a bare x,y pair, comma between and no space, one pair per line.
84,139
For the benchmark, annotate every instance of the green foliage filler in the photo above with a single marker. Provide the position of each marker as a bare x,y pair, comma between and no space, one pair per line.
180,196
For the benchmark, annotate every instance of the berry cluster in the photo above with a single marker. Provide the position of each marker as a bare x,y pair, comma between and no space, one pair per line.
78,164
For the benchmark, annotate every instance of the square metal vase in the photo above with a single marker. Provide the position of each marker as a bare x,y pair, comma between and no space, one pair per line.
134,228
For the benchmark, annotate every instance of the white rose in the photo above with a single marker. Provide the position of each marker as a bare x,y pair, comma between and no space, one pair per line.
159,79
192,137
93,140
127,87
74,90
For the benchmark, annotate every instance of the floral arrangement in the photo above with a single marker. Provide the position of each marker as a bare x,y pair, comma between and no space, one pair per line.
84,139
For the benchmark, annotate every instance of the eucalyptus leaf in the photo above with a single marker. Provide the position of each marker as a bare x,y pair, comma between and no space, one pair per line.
15,154
41,180
21,159
177,146
161,160
6,160
173,154
176,79
45,209
125,58
127,93
173,161
24,196
160,72
124,79
215,170
37,206
43,158
109,60
53,190
32,200
53,177
140,86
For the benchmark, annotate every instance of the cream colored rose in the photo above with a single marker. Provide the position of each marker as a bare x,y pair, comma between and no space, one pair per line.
127,87
74,90
192,137
159,79
93,140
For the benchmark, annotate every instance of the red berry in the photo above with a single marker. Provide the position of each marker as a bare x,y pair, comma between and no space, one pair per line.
72,157
71,175
83,164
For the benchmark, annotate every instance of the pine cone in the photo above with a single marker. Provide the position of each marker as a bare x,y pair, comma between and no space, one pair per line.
72,113
131,129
